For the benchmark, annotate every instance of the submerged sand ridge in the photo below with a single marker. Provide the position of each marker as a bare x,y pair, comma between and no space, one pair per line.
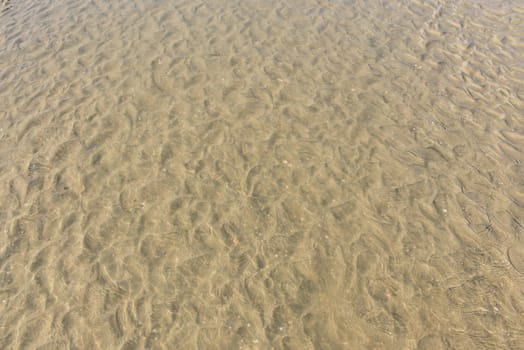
261,174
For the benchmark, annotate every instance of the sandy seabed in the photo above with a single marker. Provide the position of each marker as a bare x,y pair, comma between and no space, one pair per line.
261,174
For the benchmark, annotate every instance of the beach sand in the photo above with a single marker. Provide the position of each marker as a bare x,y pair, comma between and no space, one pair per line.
281,174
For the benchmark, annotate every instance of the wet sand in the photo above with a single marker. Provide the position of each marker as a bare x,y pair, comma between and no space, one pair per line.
261,174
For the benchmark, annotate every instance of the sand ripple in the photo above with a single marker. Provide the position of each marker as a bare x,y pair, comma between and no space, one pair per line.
261,174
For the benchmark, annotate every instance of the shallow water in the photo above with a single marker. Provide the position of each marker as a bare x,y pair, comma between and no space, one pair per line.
261,174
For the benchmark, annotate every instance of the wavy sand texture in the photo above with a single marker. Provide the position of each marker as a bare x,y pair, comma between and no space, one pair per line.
281,174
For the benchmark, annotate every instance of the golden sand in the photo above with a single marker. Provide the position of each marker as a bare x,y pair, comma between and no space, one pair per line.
282,174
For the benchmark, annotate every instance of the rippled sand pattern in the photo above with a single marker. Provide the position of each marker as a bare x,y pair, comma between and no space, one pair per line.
279,174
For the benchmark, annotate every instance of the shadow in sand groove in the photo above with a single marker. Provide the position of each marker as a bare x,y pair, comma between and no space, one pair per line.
5,5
